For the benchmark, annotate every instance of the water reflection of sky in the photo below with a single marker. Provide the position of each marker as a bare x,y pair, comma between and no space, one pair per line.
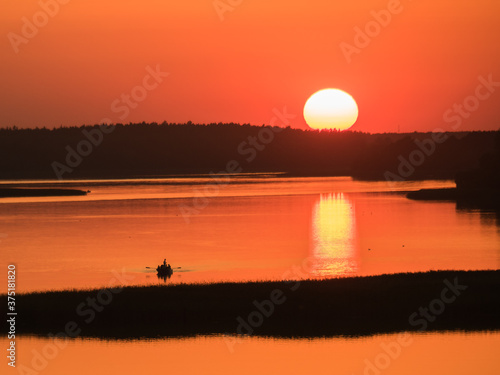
333,236
346,227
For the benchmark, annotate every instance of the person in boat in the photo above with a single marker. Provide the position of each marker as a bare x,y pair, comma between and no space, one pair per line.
164,262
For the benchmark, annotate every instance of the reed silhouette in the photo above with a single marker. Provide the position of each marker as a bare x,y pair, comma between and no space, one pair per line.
311,308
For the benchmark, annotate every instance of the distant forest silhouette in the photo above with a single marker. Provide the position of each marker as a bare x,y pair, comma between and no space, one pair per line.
147,150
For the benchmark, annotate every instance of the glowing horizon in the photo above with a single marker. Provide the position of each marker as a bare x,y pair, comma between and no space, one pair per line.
409,65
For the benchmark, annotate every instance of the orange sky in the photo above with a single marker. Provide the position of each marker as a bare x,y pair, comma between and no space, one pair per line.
262,55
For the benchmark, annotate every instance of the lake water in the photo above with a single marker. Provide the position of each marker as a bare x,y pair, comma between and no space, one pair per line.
414,354
246,228
252,228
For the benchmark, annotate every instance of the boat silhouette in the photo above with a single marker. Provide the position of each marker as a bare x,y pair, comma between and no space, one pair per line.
164,269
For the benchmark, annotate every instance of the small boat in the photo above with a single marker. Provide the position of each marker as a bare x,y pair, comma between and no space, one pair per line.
164,270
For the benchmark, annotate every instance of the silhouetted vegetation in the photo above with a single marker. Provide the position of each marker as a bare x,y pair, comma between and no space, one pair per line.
478,188
349,306
146,150
12,193
487,175
446,194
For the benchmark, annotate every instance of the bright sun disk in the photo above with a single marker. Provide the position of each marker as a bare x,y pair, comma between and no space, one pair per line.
330,109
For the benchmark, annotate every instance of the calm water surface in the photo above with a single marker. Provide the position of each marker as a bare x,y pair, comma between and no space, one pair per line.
248,229
431,353
251,229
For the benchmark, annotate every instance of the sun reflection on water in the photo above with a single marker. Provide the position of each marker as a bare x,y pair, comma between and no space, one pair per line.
333,236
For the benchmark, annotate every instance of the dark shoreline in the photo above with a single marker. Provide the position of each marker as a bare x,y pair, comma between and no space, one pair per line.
39,192
166,149
482,198
310,308
445,194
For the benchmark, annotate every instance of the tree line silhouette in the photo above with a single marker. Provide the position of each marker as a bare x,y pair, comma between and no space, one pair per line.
152,149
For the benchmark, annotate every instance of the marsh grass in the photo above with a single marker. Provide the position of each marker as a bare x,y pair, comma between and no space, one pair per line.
312,308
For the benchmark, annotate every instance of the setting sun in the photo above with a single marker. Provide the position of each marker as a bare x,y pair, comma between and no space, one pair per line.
330,109
280,187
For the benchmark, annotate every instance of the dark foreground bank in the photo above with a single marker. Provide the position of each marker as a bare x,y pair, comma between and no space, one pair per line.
442,300
17,192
